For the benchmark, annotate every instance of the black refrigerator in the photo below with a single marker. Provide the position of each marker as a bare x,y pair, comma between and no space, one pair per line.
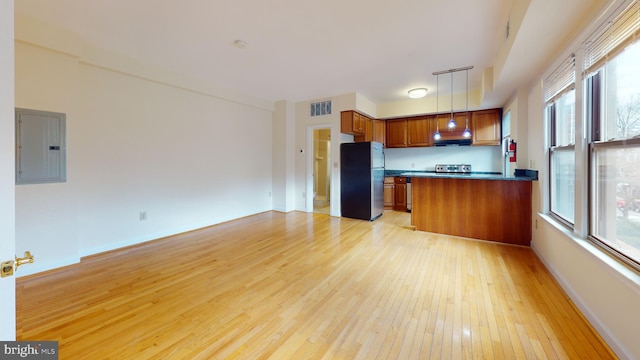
362,180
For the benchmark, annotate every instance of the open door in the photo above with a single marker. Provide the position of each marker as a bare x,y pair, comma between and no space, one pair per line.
322,170
7,174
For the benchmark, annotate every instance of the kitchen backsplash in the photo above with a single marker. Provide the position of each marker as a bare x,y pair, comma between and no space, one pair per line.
481,158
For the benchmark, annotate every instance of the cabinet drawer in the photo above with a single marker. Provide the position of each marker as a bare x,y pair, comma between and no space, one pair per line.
389,180
400,180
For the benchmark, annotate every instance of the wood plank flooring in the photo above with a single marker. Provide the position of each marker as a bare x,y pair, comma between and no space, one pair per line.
307,286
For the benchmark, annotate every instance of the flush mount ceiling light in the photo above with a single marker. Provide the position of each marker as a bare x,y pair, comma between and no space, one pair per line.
417,93
240,44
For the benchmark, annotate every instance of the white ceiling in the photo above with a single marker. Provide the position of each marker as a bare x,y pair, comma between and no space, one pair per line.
310,49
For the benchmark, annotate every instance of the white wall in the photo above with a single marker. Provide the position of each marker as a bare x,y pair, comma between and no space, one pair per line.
284,157
136,142
304,149
481,158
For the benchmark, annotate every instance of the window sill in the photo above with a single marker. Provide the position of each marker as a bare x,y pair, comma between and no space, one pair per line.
628,276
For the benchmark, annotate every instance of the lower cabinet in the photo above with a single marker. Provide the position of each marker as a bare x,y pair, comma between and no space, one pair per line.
400,193
389,193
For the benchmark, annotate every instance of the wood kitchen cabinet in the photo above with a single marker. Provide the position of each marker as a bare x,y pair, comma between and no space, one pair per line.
396,133
352,123
400,193
379,131
409,132
374,131
485,127
442,122
389,195
419,131
493,210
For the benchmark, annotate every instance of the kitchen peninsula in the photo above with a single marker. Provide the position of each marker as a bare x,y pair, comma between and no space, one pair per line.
479,206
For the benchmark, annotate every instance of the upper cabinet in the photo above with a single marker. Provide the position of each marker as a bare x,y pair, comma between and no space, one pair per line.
409,132
352,123
485,127
418,131
379,131
362,127
396,133
445,132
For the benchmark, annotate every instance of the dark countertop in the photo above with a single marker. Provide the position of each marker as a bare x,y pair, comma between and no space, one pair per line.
524,175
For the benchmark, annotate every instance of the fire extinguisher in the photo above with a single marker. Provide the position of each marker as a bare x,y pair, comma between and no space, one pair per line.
512,151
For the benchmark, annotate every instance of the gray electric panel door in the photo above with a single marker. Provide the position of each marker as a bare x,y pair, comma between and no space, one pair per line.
40,147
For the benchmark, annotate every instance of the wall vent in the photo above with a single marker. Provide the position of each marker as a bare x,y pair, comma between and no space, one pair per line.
321,108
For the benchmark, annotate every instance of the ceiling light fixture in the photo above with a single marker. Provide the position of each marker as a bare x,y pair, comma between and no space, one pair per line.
467,133
437,135
451,125
417,93
452,122
240,44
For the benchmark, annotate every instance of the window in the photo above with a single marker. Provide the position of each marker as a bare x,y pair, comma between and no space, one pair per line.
615,162
560,98
612,56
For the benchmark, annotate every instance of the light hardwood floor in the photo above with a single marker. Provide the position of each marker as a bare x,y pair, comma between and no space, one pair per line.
307,286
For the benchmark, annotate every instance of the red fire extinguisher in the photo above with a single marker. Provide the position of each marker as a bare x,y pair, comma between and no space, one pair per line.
512,151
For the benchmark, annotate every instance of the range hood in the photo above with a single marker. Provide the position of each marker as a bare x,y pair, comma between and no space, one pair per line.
453,142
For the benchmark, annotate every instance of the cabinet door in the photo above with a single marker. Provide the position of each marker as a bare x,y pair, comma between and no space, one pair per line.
388,193
485,127
367,134
418,133
396,133
379,131
400,197
352,123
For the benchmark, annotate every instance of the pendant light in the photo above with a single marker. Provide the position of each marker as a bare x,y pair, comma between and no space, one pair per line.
467,132
437,136
452,123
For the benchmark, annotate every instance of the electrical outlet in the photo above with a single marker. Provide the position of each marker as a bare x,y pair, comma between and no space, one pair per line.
269,193
413,165
304,194
143,215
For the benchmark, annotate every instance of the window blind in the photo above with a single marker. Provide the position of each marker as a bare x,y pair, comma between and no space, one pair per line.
563,77
612,37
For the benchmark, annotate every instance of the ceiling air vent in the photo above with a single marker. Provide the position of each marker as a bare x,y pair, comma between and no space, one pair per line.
321,108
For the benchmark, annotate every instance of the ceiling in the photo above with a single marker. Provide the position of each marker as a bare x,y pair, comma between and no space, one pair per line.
311,49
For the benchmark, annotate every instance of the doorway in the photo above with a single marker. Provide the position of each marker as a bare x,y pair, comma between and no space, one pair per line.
322,170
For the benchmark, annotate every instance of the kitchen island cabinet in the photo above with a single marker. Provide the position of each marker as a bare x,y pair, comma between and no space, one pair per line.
484,209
